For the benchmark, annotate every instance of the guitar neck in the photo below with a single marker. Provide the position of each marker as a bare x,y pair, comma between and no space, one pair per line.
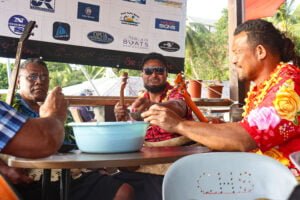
123,85
15,72
14,75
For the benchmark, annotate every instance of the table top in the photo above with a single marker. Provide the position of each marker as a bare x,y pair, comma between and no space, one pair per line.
77,159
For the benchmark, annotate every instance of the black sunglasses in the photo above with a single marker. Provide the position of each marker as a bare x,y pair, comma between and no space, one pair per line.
151,70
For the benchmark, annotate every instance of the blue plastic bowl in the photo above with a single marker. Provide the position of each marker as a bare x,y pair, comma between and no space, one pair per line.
109,137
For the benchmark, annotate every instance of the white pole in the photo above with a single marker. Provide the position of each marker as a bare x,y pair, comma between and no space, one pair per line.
8,70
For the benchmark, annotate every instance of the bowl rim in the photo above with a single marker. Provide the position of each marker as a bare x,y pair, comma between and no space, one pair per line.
100,124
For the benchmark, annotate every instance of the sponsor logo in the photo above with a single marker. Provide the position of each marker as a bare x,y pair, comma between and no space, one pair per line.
135,42
170,3
44,5
169,46
17,23
100,37
166,24
137,1
129,18
61,31
88,11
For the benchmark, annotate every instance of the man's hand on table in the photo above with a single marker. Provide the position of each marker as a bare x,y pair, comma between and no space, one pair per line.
162,117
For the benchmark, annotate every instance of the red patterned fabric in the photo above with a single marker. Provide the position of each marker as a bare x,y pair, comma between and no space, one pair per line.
155,133
274,123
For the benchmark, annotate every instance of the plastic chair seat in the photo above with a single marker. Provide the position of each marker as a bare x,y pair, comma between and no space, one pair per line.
227,175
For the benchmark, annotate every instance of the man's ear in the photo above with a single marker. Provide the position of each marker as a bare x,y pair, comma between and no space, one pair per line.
260,52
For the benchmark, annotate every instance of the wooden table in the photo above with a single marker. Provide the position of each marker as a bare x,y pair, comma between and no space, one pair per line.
112,100
77,159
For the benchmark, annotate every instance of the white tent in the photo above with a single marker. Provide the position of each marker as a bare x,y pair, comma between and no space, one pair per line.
107,86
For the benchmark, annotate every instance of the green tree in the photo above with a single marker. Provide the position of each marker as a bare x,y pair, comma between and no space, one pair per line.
288,21
3,76
63,74
207,51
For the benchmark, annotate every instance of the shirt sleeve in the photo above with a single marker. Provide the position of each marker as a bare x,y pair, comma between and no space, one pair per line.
175,95
11,122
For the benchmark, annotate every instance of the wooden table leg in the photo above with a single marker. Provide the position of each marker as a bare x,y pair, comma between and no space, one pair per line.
45,183
65,182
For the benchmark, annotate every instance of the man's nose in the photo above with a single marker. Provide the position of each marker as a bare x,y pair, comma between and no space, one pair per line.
155,73
39,79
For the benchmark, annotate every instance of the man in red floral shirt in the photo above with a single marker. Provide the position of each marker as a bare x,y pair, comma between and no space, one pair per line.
272,110
159,91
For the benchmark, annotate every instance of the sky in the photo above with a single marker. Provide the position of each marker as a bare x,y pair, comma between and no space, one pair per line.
206,9
211,9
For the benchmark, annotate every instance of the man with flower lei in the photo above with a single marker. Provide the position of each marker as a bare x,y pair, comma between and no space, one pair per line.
272,110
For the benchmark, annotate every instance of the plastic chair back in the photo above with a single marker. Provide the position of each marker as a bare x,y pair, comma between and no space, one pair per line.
227,175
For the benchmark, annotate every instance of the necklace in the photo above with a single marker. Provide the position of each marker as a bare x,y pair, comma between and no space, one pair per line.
257,93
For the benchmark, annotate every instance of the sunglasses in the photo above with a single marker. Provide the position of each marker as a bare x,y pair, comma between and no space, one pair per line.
151,70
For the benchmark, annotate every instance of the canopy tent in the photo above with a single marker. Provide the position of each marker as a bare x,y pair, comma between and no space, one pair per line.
107,86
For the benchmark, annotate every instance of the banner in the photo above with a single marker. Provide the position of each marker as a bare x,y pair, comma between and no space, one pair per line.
115,33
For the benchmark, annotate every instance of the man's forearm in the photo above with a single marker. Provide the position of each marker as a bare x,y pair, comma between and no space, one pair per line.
223,137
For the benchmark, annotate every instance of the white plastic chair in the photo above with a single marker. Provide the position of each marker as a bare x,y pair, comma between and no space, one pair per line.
227,175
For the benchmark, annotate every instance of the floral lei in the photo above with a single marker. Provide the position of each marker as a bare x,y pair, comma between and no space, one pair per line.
255,96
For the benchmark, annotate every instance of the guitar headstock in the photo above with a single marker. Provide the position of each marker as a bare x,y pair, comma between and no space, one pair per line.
27,31
179,82
25,35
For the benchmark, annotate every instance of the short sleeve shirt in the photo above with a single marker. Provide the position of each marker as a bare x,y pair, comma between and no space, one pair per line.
22,107
11,123
155,133
274,123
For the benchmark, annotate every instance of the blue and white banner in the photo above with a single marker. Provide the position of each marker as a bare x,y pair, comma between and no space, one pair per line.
81,31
